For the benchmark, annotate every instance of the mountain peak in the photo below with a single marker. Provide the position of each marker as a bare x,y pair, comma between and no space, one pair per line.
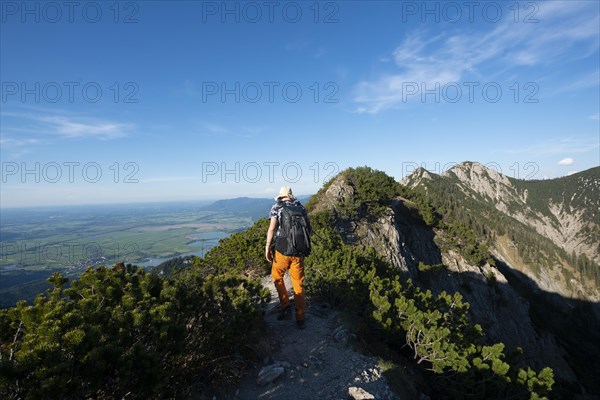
416,177
469,171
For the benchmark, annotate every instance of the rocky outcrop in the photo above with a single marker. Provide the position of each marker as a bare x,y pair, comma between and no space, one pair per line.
356,393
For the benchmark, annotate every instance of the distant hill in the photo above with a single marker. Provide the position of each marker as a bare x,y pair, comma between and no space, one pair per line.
255,208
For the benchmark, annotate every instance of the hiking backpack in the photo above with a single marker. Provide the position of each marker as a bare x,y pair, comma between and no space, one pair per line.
294,234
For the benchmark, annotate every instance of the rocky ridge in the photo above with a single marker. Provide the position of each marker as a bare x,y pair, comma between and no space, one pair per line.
404,240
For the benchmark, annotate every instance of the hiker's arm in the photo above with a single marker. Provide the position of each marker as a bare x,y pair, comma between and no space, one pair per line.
270,234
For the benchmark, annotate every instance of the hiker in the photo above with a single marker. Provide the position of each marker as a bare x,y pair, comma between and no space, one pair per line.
291,230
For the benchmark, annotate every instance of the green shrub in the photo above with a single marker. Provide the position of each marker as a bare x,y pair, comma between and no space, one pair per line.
372,192
242,252
442,338
122,330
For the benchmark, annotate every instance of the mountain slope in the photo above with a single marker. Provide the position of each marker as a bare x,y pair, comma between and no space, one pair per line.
548,230
454,233
571,207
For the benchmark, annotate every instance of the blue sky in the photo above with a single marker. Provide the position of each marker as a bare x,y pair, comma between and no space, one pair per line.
105,102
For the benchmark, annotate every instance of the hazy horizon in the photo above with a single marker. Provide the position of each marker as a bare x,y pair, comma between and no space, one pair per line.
206,200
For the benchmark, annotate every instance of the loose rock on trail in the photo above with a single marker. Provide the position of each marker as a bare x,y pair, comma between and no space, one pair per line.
315,363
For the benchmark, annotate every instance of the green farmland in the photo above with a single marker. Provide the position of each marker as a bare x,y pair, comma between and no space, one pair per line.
36,242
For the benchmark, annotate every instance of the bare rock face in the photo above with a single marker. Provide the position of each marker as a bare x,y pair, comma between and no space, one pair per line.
416,178
337,191
385,236
356,393
501,311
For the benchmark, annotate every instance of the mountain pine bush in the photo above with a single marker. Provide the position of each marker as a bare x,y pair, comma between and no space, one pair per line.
124,332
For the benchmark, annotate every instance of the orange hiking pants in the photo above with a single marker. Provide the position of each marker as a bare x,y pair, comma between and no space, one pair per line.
281,264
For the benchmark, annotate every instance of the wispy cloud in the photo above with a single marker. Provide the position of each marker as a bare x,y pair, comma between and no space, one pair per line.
10,142
17,148
245,131
62,127
580,83
448,58
68,127
595,116
556,146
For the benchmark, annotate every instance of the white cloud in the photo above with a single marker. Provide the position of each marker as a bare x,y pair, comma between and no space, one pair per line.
17,148
449,58
65,127
10,142
595,117
68,127
566,161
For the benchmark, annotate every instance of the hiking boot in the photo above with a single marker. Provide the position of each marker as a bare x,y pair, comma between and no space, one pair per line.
300,324
286,313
